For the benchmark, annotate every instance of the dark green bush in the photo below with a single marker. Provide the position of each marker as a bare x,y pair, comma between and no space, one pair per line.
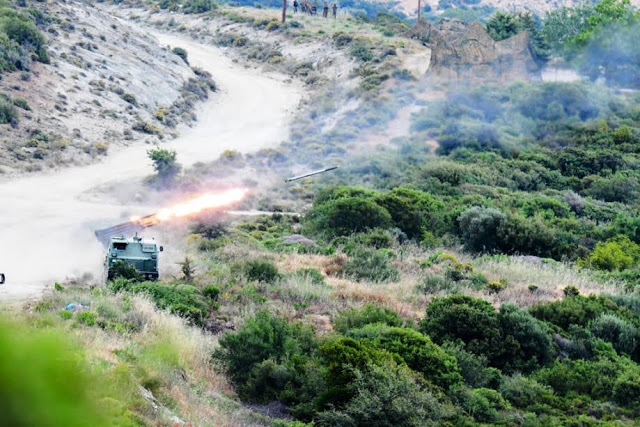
579,310
413,212
8,112
473,368
212,292
417,351
461,318
479,228
384,395
345,216
123,270
182,53
526,342
624,337
263,337
523,392
261,271
343,358
354,318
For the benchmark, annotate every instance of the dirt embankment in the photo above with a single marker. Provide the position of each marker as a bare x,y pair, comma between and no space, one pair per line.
108,85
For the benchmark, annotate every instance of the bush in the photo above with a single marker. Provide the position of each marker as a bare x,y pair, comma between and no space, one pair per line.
345,216
370,264
523,392
526,341
479,228
87,318
212,292
263,338
361,51
461,318
626,390
123,270
384,395
413,212
165,163
8,112
473,368
579,310
354,318
184,300
182,53
343,358
616,254
21,103
621,334
417,351
261,271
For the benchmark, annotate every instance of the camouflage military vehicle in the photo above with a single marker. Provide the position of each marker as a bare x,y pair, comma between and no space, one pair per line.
136,251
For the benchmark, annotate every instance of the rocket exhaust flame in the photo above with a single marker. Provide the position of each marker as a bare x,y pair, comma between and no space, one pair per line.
202,203
193,206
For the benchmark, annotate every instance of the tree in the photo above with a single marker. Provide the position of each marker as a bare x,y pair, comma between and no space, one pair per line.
503,25
165,164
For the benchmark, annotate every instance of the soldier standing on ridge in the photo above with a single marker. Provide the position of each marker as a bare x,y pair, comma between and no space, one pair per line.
335,10
314,8
295,6
325,10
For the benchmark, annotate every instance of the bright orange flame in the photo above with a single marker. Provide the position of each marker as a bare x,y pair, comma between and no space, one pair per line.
201,203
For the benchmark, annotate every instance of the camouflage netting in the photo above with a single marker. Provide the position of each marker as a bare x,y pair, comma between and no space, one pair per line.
466,51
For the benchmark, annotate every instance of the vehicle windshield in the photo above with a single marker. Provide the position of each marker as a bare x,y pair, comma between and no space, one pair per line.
120,246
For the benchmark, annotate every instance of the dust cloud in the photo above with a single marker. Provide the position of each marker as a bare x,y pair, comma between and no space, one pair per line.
47,221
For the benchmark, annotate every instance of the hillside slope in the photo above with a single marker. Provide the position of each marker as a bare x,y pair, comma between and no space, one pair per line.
95,93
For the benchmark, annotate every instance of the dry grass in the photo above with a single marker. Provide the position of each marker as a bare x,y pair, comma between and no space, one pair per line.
550,278
164,347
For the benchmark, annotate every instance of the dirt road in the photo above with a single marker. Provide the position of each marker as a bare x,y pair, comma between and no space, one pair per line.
46,231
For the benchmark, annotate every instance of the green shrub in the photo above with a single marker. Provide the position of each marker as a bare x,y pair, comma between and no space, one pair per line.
461,318
617,254
182,53
579,310
479,228
413,212
342,39
8,112
123,270
483,404
526,342
361,51
267,353
343,358
165,163
433,283
65,314
626,390
21,103
198,6
354,318
621,334
311,274
261,271
345,216
523,392
130,98
87,318
384,395
370,264
473,368
417,351
212,292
